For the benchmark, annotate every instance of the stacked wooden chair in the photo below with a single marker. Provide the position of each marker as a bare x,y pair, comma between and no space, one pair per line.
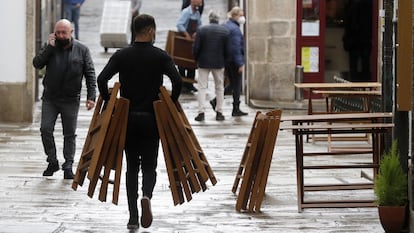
180,49
103,148
187,167
255,164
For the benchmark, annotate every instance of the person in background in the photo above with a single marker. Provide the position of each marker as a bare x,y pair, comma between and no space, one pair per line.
186,3
357,39
235,64
72,13
135,7
187,24
67,61
141,69
210,50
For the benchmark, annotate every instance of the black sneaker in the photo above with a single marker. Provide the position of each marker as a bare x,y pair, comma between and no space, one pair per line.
68,174
200,117
219,116
51,168
186,90
132,225
193,88
238,112
213,103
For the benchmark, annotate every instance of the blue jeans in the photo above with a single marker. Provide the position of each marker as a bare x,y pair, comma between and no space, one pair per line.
69,114
72,13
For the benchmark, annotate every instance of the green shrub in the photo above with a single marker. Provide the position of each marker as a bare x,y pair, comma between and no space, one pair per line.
390,185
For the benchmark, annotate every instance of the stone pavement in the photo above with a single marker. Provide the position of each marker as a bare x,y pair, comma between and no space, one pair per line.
32,203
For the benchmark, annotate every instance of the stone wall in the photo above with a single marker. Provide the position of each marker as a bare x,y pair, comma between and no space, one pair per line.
270,53
18,98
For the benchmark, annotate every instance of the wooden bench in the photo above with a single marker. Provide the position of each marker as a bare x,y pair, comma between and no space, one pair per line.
365,95
364,100
310,87
354,104
372,123
331,92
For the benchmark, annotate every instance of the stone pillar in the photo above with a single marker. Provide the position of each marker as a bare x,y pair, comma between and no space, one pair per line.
270,53
17,84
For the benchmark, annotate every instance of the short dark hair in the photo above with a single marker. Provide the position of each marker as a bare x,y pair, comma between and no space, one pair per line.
143,22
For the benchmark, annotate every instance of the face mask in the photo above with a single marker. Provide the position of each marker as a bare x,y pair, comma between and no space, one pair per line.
241,20
62,42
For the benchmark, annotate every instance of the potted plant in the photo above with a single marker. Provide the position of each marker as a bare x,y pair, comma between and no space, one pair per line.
390,188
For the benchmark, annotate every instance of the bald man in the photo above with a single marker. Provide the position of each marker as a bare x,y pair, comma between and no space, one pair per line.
67,62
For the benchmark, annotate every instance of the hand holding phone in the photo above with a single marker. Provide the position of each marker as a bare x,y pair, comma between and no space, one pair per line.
52,39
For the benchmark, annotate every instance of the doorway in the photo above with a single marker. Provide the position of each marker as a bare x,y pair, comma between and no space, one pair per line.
350,50
339,39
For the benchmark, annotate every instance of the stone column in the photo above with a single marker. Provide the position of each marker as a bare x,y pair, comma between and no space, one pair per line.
271,43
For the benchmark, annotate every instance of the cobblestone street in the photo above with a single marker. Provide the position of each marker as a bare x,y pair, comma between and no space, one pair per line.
31,203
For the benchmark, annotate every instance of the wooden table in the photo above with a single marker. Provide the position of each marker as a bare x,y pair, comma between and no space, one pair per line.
303,125
310,87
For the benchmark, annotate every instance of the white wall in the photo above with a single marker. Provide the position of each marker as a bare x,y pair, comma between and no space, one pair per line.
13,41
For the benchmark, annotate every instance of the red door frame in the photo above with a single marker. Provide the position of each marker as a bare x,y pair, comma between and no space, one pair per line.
311,41
319,41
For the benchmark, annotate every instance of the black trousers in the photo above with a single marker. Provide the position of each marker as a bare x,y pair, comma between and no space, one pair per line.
235,81
141,147
188,73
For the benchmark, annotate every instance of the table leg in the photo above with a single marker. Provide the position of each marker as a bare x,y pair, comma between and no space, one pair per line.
299,169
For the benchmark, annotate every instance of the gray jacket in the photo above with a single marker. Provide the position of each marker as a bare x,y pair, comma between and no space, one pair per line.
63,78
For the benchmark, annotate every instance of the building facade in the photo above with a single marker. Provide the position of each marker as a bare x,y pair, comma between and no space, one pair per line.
270,48
282,34
17,82
27,25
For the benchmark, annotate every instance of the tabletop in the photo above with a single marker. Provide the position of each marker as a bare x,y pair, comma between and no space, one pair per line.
336,116
338,85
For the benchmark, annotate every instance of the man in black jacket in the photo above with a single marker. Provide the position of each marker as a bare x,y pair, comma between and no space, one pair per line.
210,50
141,68
67,61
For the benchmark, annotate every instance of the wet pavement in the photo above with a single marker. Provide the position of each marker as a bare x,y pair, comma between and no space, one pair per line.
32,203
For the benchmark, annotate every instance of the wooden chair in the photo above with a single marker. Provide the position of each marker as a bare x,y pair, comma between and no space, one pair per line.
255,164
104,145
187,166
180,49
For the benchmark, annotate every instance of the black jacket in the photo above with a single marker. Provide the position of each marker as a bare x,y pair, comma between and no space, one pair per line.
64,82
211,46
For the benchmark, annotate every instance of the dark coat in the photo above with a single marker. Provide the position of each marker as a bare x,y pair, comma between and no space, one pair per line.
236,43
66,84
211,46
